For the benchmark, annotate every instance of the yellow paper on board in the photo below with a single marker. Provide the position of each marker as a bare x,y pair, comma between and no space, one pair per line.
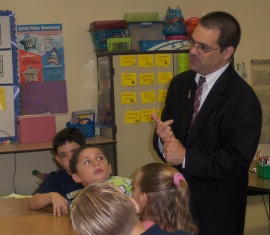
159,111
165,77
2,99
146,61
146,115
163,60
162,95
147,79
128,98
148,97
132,117
127,60
183,62
128,79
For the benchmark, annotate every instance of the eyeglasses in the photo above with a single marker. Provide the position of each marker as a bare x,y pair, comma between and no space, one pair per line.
200,49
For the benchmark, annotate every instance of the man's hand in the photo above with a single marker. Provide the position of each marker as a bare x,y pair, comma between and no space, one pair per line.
164,130
174,151
60,205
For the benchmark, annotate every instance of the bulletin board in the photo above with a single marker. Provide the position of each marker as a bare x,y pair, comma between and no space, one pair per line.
9,79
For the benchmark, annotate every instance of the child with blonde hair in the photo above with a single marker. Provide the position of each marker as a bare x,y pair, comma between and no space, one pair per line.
102,208
163,196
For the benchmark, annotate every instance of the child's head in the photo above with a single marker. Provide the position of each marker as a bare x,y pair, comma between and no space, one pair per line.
102,208
89,164
65,143
163,196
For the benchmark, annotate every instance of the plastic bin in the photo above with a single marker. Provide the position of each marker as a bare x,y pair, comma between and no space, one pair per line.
263,171
87,129
141,16
142,31
119,44
100,37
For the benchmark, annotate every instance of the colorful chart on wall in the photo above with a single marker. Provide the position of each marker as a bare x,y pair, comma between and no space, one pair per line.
9,79
42,68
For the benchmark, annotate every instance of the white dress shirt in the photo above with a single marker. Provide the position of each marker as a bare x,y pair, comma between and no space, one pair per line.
207,86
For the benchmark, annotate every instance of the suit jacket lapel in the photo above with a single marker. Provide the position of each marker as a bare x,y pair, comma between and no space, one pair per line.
215,96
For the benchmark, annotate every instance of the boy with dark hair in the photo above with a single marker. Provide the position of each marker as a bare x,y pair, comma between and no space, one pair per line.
59,189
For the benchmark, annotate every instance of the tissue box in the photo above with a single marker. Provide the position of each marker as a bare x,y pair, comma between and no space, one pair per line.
36,128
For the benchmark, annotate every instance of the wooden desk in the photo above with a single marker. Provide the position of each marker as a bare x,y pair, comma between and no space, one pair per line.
260,185
16,218
46,146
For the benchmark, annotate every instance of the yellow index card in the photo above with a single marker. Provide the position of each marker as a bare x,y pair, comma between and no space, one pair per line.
2,99
128,97
146,115
148,97
165,77
128,79
183,62
127,60
162,95
163,60
132,117
147,78
159,111
146,61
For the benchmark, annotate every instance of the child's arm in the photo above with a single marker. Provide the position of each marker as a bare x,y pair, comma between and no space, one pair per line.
41,200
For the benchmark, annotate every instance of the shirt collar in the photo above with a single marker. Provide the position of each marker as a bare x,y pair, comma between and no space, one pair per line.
213,77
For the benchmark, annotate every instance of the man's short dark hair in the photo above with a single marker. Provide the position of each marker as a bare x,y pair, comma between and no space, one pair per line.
230,30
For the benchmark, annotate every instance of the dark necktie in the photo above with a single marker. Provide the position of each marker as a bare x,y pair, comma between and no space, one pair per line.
197,100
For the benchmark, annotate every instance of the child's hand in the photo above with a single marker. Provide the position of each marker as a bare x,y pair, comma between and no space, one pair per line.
60,204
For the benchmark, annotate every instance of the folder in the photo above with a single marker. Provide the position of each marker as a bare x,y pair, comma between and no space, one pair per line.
36,128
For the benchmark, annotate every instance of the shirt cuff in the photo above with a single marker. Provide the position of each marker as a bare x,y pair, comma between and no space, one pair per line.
160,146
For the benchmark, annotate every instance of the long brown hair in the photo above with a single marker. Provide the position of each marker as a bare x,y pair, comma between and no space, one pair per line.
168,203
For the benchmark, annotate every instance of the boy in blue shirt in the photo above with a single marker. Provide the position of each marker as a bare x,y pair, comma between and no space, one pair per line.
59,189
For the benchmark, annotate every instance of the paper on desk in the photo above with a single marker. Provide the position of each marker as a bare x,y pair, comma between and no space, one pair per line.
14,195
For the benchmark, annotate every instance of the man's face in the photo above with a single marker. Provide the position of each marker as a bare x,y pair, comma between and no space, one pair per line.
211,61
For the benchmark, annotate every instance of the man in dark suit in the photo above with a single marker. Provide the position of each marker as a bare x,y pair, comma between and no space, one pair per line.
215,152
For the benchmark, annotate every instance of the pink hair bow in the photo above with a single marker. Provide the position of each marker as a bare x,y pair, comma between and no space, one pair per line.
177,178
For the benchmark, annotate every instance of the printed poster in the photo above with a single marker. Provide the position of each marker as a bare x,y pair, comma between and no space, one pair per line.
41,52
42,68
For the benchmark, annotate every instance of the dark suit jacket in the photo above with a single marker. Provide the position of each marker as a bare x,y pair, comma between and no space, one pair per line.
219,147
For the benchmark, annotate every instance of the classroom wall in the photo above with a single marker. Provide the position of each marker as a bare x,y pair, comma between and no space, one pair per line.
80,60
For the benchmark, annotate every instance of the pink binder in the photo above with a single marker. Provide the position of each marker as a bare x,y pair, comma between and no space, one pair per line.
36,128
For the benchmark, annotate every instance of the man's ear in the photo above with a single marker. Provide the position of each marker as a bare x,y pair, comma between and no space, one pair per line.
110,168
228,52
76,178
136,205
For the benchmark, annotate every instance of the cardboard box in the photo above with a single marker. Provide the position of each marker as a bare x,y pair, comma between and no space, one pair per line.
141,31
161,45
36,128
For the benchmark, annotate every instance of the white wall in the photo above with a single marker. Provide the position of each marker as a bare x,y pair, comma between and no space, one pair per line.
80,60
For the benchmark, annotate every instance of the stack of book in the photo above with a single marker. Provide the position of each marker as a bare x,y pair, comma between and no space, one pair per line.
82,116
